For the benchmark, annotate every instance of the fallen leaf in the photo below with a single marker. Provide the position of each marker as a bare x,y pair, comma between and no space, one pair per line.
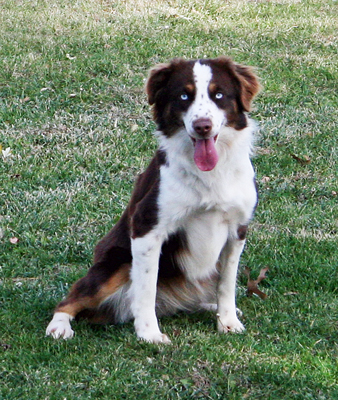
253,284
134,128
262,150
6,153
265,179
301,159
46,88
24,100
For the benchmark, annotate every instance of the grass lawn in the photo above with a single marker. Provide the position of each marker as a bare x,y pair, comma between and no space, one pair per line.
75,129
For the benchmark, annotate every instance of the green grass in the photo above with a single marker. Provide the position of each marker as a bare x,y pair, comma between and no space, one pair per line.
74,114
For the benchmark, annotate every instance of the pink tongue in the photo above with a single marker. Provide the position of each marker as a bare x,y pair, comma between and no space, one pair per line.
205,156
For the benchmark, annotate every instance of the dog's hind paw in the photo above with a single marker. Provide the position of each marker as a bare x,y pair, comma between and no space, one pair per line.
59,326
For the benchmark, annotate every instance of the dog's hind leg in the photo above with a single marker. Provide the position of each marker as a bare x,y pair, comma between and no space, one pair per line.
87,293
209,306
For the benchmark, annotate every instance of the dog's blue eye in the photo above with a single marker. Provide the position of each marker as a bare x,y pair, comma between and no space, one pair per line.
184,96
219,96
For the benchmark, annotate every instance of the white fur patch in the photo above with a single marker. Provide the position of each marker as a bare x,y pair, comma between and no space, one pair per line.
227,320
146,254
203,106
59,326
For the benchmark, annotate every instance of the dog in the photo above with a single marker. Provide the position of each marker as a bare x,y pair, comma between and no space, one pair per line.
177,245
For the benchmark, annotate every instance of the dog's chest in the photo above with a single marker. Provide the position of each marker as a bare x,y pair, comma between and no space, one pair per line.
230,195
208,209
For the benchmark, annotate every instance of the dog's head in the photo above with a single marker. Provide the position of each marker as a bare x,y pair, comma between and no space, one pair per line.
202,96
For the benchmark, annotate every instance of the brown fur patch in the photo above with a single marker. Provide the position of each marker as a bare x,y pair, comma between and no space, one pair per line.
190,88
120,278
242,231
75,303
213,87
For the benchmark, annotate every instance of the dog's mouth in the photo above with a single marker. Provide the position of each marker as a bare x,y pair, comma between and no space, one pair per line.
205,155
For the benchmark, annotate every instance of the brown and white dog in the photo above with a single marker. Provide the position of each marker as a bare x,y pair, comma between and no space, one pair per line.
178,243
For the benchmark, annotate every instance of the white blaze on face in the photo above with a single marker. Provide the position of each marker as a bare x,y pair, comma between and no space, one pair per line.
204,108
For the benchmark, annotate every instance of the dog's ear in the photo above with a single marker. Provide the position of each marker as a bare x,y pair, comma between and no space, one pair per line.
157,79
250,85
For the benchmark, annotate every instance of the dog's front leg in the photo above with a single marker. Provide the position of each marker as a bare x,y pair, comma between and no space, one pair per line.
146,253
226,302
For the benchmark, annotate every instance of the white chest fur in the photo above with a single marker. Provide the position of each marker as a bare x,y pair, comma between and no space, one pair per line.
229,188
208,206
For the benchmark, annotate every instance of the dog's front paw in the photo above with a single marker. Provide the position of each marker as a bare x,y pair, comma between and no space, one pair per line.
155,339
59,327
229,324
147,329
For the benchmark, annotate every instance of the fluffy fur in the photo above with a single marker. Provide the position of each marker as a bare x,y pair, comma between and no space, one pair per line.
178,243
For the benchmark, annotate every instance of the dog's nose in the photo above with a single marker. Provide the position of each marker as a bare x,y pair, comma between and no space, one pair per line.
202,126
